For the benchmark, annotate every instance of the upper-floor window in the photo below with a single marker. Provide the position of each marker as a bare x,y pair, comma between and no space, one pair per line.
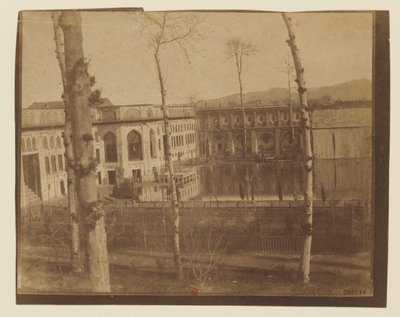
60,162
98,155
29,144
53,164
110,147
45,143
108,115
52,142
134,146
34,146
58,142
153,153
47,164
31,119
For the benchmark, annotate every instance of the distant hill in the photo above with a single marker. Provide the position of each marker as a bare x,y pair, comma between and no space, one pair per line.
352,90
360,89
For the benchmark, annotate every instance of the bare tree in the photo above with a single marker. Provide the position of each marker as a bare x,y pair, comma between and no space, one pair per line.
308,153
206,247
179,31
288,69
238,49
68,154
79,96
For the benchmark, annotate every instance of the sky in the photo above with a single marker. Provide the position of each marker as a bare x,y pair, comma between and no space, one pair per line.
334,48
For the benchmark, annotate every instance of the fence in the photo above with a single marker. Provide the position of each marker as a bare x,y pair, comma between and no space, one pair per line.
272,230
235,203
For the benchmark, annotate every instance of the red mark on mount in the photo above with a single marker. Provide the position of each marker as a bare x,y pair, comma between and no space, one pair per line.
194,291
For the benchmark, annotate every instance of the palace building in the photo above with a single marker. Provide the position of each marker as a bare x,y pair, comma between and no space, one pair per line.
128,143
341,139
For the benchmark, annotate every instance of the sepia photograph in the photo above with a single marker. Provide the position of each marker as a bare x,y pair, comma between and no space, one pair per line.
201,154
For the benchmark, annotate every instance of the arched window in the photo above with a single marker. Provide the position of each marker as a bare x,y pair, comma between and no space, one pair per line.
52,142
284,118
108,115
266,143
110,147
54,118
29,144
134,146
23,145
219,144
48,118
62,187
45,143
238,143
31,119
61,117
42,119
96,136
261,119
58,142
273,119
289,143
153,153
34,147
132,114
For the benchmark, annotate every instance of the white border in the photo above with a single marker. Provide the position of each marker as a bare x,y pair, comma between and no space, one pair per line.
9,11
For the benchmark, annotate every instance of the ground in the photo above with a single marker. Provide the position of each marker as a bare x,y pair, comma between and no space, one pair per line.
139,272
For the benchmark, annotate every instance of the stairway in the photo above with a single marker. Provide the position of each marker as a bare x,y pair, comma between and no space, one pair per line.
29,198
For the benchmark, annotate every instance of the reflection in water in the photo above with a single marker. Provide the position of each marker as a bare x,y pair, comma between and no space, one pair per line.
285,180
345,179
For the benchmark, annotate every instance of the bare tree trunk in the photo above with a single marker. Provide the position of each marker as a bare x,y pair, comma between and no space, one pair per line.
68,154
170,166
308,153
239,72
290,107
78,94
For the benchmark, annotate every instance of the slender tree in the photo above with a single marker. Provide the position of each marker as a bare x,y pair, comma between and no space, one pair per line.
68,154
308,153
179,30
288,69
238,49
78,95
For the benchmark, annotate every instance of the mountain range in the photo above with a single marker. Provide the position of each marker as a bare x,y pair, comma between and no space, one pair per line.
355,90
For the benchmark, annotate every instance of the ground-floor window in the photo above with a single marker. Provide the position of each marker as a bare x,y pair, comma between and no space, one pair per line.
53,164
47,163
60,162
111,177
137,175
62,187
98,155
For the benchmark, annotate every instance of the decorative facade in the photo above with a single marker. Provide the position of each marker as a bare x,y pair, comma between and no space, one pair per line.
129,143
